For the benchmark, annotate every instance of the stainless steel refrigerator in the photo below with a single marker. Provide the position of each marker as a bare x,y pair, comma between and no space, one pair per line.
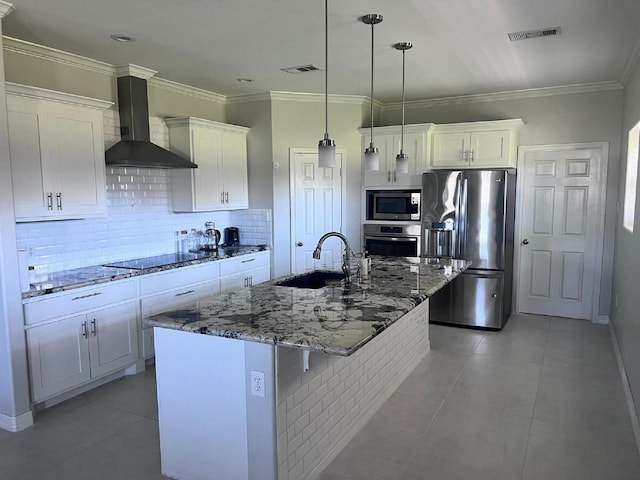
469,214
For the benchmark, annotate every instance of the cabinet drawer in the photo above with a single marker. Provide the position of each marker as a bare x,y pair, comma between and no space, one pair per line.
177,278
244,263
76,301
162,302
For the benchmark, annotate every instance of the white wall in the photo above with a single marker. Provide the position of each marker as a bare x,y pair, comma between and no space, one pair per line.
14,392
626,317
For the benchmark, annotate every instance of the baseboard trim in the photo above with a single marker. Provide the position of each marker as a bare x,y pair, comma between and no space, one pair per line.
15,424
626,387
602,319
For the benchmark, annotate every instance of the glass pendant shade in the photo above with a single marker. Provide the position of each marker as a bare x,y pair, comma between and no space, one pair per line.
371,158
402,162
326,153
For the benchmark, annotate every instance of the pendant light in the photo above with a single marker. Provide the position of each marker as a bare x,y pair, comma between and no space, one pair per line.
326,146
402,159
371,155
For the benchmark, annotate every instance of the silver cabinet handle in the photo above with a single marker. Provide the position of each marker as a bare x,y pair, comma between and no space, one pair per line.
95,294
465,153
246,281
184,293
50,201
250,260
388,175
84,329
93,327
226,197
221,197
250,281
59,200
470,155
395,177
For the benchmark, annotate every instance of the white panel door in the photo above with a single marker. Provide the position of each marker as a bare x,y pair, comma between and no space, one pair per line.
113,338
560,236
316,208
58,356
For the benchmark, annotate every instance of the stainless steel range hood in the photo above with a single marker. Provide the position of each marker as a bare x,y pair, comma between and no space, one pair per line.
135,149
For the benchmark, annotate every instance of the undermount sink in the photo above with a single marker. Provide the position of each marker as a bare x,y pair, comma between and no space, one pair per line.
315,279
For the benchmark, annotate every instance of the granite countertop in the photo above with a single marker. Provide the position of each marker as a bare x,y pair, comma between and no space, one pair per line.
96,274
333,319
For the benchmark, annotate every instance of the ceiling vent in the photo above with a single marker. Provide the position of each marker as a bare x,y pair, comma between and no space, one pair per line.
544,32
301,69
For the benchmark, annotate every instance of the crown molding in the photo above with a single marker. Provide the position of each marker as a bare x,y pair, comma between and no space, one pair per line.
62,97
202,122
131,70
296,97
23,47
512,95
183,89
6,8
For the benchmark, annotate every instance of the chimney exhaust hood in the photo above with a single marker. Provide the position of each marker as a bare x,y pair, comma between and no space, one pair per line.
135,149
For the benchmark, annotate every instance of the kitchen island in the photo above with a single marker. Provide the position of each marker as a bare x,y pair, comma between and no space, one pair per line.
276,379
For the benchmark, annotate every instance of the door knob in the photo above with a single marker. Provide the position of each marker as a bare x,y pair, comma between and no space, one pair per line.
525,242
299,244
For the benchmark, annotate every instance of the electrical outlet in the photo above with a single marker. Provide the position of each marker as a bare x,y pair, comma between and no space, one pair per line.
257,384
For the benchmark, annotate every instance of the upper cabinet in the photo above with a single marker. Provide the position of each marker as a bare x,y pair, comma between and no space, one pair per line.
475,144
220,151
387,140
57,154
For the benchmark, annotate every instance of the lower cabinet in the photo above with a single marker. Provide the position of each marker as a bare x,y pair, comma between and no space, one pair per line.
71,351
245,271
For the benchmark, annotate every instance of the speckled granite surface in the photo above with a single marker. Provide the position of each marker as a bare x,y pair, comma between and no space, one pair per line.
336,320
93,275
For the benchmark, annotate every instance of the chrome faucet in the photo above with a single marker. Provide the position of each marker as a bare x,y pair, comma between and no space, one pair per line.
346,258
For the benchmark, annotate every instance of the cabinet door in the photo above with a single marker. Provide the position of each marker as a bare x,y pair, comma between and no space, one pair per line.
32,189
77,155
113,338
207,178
58,356
260,275
413,146
450,150
385,145
490,149
234,170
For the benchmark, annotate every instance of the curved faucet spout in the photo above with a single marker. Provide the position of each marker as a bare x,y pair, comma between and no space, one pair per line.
346,258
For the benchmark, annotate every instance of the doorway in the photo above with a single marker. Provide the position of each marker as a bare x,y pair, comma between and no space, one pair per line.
316,208
559,246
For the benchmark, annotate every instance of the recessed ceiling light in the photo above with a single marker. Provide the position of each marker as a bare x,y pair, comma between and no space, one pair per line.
543,32
122,38
244,80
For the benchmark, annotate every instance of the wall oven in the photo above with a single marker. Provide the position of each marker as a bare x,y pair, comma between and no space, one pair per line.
392,240
395,205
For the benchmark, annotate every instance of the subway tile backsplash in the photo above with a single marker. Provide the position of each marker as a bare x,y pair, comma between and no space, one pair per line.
139,221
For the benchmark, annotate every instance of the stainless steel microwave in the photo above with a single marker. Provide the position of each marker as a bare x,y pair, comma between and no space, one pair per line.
393,205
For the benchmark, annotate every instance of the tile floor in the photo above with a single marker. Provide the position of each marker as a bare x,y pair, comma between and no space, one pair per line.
542,399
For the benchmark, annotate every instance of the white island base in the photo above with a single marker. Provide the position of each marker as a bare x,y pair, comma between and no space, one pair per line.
213,427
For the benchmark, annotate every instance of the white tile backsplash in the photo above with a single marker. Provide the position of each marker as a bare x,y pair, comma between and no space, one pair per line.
139,219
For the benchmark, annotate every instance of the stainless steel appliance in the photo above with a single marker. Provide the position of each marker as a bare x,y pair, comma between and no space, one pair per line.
392,240
469,214
212,237
393,205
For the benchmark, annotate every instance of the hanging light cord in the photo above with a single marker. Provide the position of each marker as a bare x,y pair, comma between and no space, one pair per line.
371,95
402,124
326,69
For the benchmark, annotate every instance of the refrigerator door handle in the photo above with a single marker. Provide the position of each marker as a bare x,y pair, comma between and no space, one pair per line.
461,218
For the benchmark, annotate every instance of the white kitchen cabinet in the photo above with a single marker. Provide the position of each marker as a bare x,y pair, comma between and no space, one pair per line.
245,271
57,154
220,151
68,345
387,140
171,289
475,145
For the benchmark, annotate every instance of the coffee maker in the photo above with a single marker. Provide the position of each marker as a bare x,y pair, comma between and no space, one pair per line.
211,237
231,237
